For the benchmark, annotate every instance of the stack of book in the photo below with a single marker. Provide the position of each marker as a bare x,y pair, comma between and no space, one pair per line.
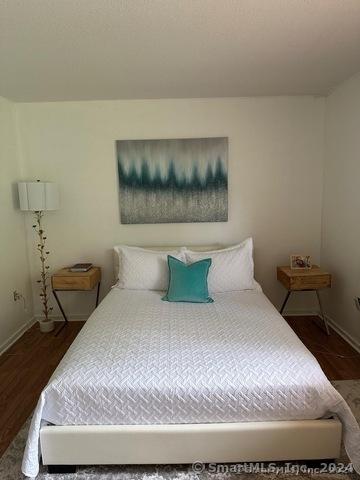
80,267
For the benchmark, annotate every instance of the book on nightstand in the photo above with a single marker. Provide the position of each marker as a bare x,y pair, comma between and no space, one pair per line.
81,267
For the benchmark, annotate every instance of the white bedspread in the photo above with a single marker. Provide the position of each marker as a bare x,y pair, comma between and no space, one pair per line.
139,360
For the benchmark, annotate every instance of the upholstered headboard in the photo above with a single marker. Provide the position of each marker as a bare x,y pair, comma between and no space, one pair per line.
196,248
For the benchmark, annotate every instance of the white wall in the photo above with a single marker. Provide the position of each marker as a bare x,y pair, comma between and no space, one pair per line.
275,177
341,205
14,266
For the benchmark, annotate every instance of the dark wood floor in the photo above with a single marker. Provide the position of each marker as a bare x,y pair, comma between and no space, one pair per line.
27,366
337,358
24,371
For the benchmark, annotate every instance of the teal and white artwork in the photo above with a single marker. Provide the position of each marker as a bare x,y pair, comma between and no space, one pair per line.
173,181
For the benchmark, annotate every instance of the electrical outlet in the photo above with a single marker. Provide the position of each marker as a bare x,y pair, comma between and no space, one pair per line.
357,302
17,296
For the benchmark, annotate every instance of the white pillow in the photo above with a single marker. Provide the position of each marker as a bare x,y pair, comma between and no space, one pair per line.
144,269
231,269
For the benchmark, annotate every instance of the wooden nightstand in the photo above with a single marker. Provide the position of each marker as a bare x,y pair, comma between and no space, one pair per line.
311,280
64,280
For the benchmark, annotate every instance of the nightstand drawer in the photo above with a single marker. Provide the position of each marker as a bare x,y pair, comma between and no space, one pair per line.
65,280
313,279
310,282
71,283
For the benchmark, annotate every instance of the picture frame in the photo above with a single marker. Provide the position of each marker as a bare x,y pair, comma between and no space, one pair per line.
173,180
300,262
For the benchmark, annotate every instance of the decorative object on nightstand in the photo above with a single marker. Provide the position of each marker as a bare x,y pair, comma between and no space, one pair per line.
305,280
39,197
302,262
67,281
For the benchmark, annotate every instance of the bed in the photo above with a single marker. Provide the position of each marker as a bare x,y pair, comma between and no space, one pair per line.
148,381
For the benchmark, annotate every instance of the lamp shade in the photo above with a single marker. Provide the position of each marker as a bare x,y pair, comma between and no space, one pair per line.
38,196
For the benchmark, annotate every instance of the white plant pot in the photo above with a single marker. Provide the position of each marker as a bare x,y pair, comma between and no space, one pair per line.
46,326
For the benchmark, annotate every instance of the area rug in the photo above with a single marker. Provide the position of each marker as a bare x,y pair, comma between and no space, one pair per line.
10,463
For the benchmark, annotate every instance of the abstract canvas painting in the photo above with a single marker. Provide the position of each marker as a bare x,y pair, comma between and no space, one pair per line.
173,181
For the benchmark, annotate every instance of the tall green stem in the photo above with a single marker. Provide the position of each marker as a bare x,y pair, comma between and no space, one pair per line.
44,276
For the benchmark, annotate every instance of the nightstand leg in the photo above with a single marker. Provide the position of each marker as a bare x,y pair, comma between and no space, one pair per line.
97,295
285,301
323,318
63,313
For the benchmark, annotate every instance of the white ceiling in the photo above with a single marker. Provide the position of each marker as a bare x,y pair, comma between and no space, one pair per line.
111,49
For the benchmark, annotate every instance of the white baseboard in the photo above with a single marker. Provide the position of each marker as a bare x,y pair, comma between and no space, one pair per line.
77,317
15,336
354,343
300,313
334,325
57,318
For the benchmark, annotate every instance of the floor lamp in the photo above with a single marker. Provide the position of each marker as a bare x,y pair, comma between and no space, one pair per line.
39,197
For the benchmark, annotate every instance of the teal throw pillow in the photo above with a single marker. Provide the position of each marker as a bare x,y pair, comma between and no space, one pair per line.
188,283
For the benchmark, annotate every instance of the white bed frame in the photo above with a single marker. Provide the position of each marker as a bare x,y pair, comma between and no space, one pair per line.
188,443
207,443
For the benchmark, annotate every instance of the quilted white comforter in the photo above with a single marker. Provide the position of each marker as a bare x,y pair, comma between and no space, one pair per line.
139,360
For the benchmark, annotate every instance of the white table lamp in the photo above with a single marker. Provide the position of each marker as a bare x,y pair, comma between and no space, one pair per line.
39,197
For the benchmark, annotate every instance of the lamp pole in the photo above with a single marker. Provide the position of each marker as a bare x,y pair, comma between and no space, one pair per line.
44,276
